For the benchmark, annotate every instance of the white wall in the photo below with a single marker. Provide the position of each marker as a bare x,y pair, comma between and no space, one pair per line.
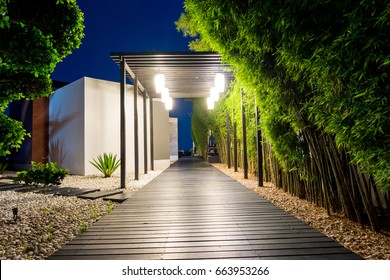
102,122
161,131
173,139
85,122
66,127
161,136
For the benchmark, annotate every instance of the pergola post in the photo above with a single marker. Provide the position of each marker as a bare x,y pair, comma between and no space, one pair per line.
151,133
244,144
123,121
136,152
259,148
228,139
145,134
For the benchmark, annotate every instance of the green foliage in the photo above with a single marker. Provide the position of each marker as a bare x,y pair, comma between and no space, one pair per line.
95,215
12,134
106,164
109,206
200,125
3,166
46,211
82,228
49,231
34,38
319,72
45,174
312,64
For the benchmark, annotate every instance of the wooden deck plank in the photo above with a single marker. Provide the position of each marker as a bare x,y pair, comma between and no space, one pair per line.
302,237
194,211
261,250
274,243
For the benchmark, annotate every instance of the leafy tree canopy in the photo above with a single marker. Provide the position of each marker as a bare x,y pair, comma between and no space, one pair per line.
34,37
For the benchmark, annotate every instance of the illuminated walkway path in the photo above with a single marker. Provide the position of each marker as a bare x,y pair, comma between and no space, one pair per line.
194,211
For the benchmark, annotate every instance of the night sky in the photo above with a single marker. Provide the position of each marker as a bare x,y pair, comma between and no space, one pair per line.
127,26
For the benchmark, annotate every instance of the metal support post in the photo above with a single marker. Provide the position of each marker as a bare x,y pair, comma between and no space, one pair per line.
145,134
136,152
151,134
123,122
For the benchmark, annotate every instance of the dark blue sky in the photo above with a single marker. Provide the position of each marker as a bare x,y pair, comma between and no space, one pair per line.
127,26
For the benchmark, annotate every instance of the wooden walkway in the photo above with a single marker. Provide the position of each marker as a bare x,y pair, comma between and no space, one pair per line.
194,211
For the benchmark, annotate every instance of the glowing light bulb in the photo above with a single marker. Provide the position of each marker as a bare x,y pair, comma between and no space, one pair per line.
164,95
159,81
169,104
210,103
219,82
214,94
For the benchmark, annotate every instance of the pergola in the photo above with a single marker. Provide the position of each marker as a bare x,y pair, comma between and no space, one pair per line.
187,75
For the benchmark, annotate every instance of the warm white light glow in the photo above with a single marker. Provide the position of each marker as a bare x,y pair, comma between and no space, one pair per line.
169,104
159,81
164,95
214,94
220,82
210,103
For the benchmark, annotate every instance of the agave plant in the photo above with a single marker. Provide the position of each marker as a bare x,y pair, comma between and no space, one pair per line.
106,163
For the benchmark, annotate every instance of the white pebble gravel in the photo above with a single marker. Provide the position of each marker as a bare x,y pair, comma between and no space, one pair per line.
46,222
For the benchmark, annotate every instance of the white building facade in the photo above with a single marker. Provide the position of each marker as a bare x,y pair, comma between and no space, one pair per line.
84,122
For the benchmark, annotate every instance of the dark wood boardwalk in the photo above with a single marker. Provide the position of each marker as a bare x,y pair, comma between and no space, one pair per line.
194,211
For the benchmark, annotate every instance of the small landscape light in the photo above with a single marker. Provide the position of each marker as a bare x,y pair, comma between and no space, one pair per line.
15,212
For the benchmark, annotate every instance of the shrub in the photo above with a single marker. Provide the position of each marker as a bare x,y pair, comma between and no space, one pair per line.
45,174
106,163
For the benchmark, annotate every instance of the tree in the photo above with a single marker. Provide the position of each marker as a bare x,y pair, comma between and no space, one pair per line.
33,39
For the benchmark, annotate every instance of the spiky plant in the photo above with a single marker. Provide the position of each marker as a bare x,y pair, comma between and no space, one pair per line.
106,163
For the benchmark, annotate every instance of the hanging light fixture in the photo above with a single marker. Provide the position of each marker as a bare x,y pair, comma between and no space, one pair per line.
219,82
169,104
214,94
159,81
210,103
164,95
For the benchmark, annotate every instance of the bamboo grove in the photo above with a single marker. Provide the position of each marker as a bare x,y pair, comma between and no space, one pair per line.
318,71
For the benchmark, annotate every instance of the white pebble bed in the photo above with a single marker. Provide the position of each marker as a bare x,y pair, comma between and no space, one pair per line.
110,183
46,222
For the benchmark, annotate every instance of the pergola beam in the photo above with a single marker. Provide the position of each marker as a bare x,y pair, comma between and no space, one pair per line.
132,75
